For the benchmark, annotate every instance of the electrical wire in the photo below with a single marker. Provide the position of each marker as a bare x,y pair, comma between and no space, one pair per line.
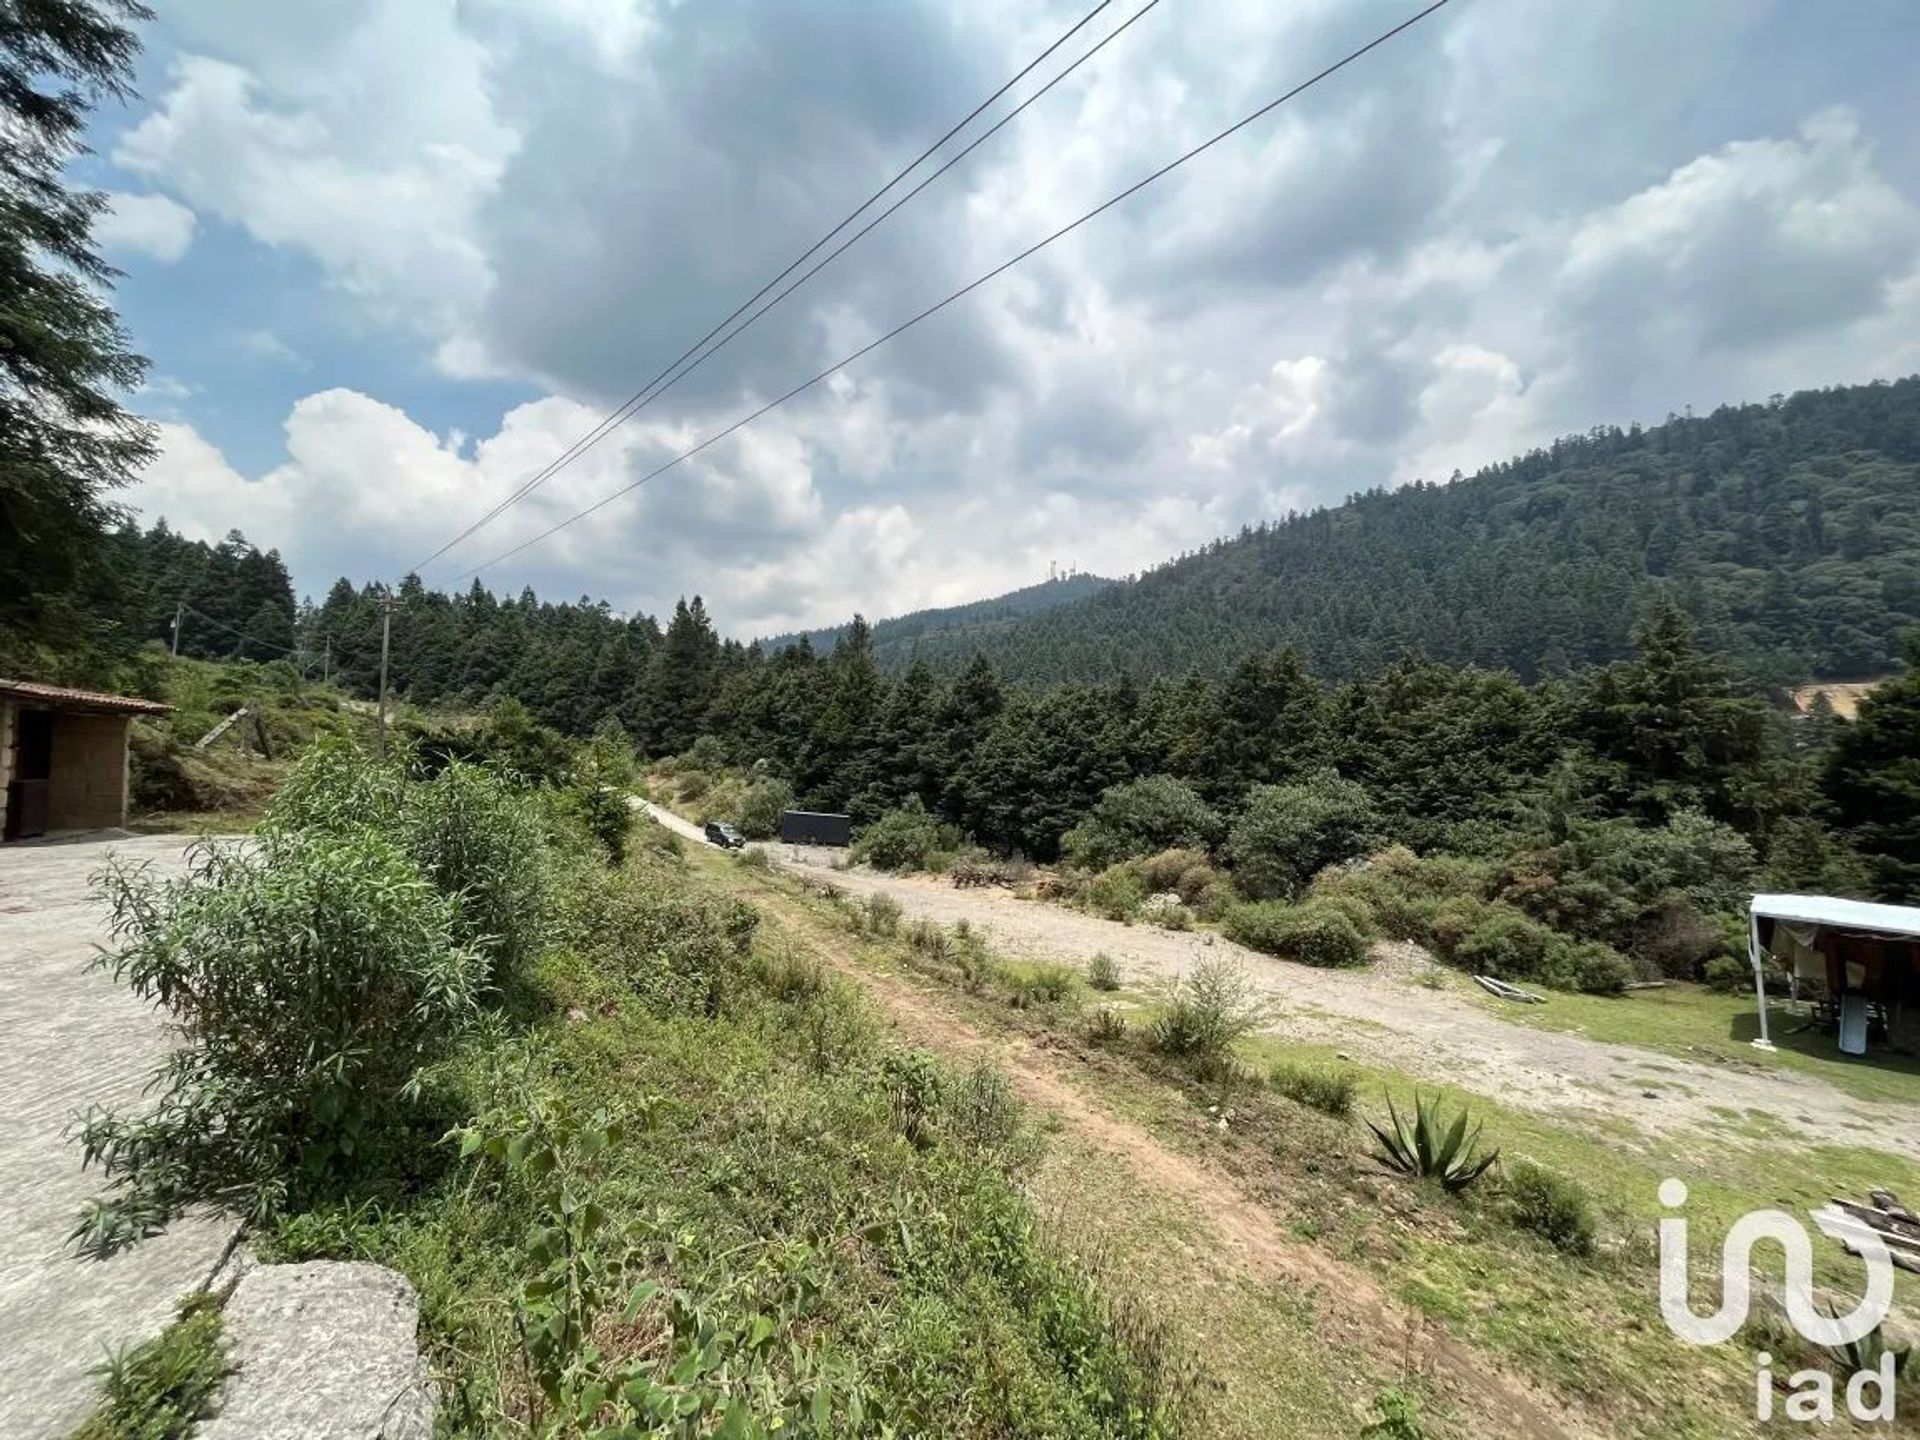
250,639
969,287
640,397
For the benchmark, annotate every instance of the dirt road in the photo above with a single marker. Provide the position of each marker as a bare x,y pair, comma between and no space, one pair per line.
1378,1015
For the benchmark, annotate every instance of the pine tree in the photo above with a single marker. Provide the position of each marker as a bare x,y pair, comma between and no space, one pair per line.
65,439
1873,781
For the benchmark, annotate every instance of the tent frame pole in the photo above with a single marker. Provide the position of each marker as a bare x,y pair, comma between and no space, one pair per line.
1765,1042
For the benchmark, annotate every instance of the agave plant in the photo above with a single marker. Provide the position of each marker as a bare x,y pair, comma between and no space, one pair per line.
1430,1148
1865,1353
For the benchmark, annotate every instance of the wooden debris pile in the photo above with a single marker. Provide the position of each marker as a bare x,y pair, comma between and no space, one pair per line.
1896,1225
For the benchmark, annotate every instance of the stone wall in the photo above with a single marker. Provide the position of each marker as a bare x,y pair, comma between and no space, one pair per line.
89,789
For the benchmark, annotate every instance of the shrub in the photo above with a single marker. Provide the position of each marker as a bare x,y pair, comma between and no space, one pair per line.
913,1083
1181,872
1429,1148
1595,968
1103,972
1289,832
682,952
882,915
1048,985
1208,1012
1215,899
1552,1205
311,976
1728,973
1508,945
904,839
981,1110
1139,818
758,814
1313,934
1106,1026
1117,893
1327,1090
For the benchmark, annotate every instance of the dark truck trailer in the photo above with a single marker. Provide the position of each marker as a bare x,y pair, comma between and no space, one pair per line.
813,827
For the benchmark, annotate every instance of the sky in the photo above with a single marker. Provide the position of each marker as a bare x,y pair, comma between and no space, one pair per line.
389,258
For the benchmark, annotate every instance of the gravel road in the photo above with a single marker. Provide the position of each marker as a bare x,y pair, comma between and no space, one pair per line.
1379,1014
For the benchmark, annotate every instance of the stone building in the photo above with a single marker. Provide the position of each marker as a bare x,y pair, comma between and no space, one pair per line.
63,757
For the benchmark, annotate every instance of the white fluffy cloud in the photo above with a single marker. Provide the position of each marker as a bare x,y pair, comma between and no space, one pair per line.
150,225
1447,252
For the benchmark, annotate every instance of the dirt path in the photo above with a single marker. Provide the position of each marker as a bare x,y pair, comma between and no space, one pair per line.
1351,1310
1376,1015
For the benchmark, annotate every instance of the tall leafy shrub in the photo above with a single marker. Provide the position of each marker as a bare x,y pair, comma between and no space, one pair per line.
311,976
1288,832
1142,817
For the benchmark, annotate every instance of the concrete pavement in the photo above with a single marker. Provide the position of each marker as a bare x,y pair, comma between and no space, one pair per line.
69,1039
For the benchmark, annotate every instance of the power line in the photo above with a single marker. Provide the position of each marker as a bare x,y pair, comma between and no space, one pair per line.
970,286
640,396
250,639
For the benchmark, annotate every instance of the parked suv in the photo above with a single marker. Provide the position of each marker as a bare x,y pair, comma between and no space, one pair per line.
720,833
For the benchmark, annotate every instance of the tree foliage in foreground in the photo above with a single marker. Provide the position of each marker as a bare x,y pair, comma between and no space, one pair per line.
66,441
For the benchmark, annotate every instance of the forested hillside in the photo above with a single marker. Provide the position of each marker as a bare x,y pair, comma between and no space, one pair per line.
1789,530
896,640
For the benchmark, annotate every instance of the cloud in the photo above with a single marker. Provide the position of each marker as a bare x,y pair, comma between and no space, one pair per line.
150,225
1466,243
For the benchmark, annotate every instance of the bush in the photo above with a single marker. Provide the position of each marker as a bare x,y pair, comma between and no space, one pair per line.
1551,1205
904,839
982,1112
1117,893
758,814
1288,833
1106,1026
312,976
1139,818
1313,934
1508,945
1595,968
1209,1010
1327,1090
882,916
1048,985
1103,972
1180,872
681,951
1728,973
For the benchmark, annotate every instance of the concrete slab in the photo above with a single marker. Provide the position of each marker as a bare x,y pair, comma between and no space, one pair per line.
323,1351
69,1039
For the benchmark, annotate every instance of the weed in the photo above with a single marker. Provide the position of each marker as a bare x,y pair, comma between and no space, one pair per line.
1326,1090
1208,1011
981,1110
753,858
162,1389
1103,972
883,916
1396,1417
1431,1149
1553,1206
913,1092
1052,986
1107,1027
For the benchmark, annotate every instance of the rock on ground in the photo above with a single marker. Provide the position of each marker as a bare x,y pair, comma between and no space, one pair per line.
324,1351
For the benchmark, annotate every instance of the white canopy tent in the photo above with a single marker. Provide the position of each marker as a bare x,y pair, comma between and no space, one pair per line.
1824,912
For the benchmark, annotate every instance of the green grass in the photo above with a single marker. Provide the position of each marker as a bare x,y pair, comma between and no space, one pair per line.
782,1164
161,1389
1694,1023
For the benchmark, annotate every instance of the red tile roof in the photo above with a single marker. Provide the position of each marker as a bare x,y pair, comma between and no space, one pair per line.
59,696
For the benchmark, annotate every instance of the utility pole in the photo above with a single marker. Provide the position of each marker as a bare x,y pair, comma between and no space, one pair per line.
386,630
179,612
326,662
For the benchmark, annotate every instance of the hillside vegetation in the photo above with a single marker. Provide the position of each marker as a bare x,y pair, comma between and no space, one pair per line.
1789,530
897,638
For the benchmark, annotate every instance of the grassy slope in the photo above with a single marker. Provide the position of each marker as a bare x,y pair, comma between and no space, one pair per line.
1589,1328
764,1173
